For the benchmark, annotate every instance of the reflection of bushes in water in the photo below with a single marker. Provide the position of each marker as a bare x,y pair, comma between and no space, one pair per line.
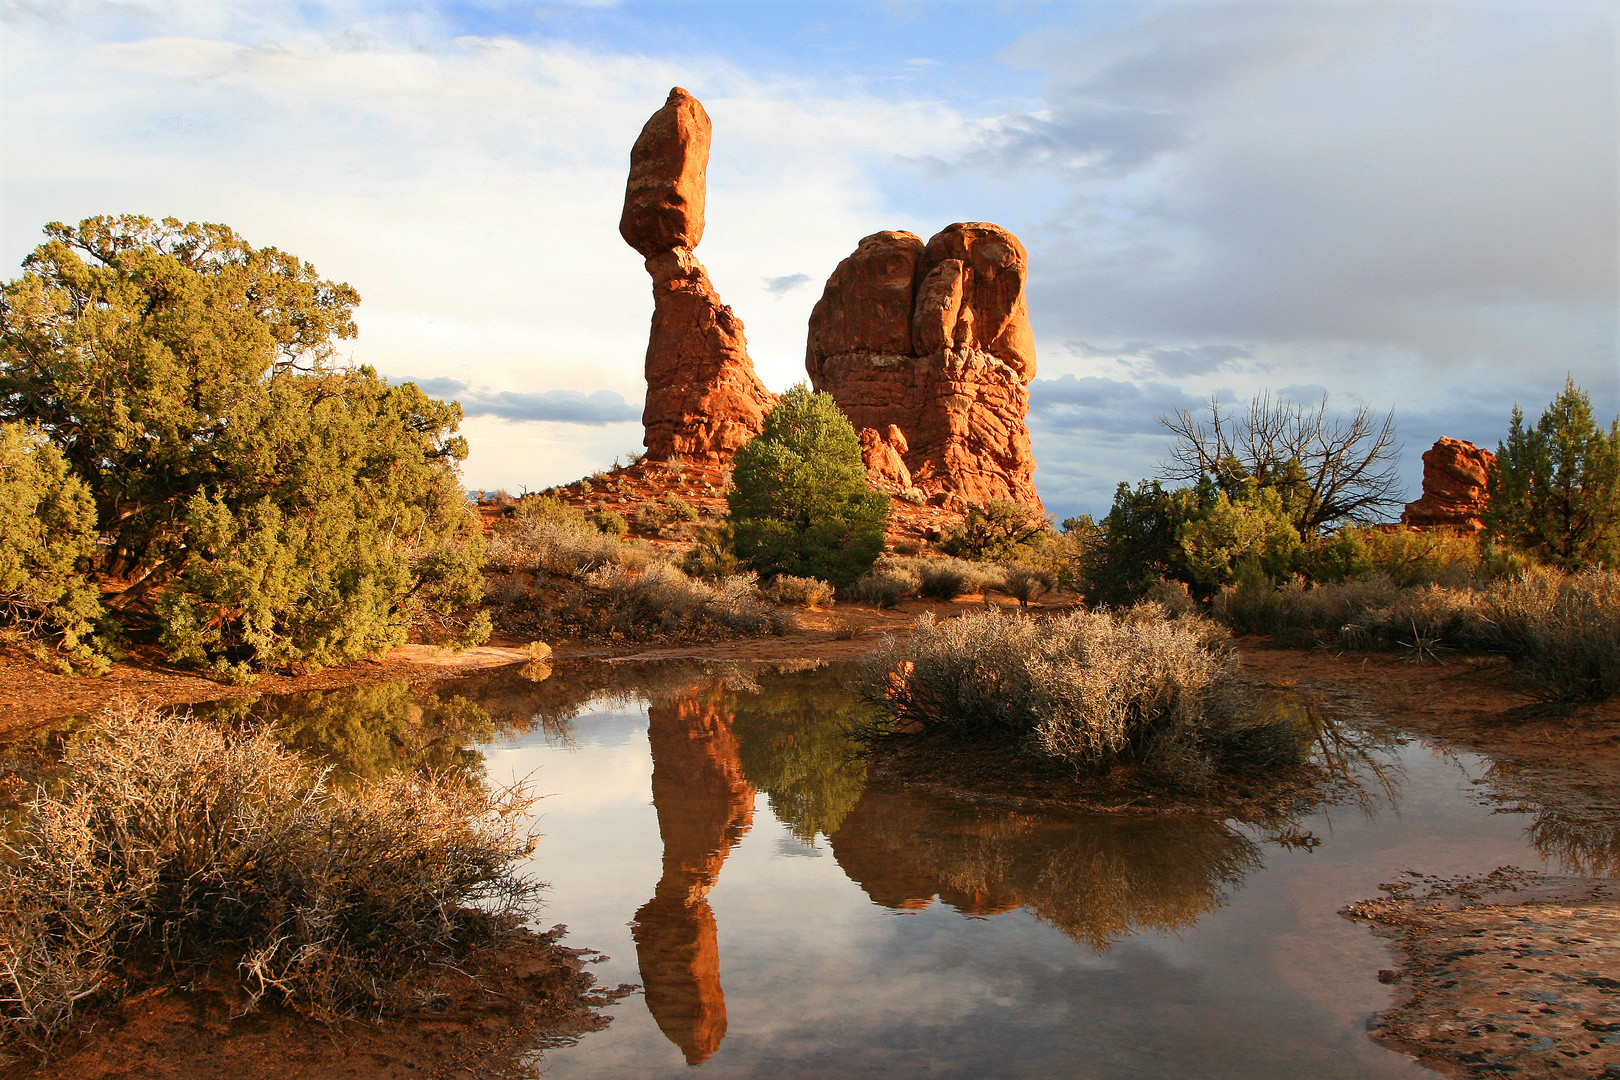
367,732
520,704
793,747
1095,878
1581,840
1589,847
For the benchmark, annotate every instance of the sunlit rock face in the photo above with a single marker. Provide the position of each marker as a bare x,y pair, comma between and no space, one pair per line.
1455,475
703,399
705,805
932,342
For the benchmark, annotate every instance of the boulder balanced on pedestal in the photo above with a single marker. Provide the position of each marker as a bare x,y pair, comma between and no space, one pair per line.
703,398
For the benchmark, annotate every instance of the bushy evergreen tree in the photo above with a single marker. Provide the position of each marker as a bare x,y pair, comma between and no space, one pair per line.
801,503
1555,488
269,507
47,540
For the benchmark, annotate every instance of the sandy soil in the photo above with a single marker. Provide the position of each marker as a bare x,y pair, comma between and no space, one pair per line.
1509,974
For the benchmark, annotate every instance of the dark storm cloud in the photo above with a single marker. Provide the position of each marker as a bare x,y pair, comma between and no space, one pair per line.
1097,404
1390,172
562,406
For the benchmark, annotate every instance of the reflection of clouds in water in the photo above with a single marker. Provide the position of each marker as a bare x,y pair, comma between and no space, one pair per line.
1097,879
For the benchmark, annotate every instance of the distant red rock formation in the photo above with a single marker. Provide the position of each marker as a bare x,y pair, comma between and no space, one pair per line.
703,399
1454,479
933,340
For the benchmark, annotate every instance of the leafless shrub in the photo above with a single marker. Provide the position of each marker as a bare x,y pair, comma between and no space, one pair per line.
804,591
663,601
173,838
1563,631
1092,689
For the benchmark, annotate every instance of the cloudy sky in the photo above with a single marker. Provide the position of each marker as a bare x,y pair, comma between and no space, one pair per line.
1405,204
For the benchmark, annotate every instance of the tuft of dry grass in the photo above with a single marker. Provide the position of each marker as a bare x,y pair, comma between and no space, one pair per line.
802,591
176,842
1562,630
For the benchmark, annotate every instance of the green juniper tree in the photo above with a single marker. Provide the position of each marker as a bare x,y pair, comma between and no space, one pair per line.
47,538
1555,488
801,504
268,506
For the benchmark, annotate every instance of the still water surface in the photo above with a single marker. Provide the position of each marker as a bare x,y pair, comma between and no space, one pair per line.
707,829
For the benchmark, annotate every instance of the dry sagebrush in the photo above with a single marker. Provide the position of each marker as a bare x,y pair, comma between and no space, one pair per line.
173,841
1562,630
1093,689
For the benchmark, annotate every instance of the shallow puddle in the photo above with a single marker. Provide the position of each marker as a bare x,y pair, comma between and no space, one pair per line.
708,830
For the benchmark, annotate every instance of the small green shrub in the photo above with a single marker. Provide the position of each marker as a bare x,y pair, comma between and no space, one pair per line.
609,522
997,530
1092,689
941,579
710,555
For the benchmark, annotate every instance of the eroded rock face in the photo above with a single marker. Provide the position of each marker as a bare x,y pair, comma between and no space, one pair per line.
1454,480
934,342
703,398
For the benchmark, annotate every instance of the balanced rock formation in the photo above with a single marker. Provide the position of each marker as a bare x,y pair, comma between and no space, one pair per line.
929,347
703,398
1454,479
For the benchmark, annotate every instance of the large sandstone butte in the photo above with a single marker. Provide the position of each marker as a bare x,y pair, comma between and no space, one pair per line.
703,398
927,349
1454,478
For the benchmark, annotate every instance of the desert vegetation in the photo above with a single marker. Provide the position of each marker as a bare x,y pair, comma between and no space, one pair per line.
168,844
801,504
188,459
552,570
1091,689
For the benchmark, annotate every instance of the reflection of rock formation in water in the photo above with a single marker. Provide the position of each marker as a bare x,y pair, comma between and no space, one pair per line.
704,805
1096,878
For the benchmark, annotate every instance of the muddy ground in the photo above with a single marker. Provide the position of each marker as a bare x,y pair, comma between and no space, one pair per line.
1474,1006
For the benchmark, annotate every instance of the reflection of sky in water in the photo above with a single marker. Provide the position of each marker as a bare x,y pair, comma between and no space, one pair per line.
790,923
1263,979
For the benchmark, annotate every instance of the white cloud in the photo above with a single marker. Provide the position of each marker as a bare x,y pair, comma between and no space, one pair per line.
1405,202
470,191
